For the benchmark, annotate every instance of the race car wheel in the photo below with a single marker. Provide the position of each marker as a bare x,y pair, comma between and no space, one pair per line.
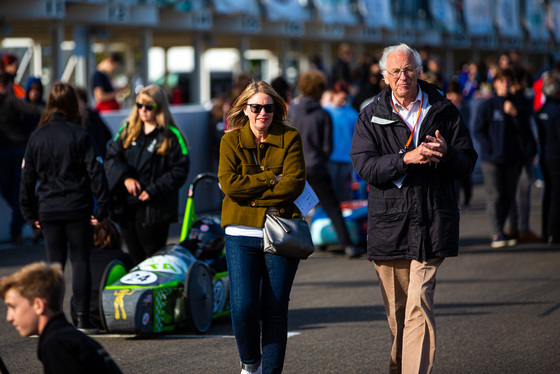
114,271
199,297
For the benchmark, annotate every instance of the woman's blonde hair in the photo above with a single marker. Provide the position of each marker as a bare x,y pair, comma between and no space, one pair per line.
151,94
236,118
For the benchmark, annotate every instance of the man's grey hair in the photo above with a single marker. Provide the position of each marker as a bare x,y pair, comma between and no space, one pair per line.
399,48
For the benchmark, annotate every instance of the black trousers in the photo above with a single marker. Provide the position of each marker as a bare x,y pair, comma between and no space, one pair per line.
141,241
321,184
74,237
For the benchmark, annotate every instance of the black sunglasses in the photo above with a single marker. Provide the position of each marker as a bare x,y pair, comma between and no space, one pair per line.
256,108
146,106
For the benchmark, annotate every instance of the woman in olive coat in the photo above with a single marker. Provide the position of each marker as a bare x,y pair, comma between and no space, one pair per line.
262,169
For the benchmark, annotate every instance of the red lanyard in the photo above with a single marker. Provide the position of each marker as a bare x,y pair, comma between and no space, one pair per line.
417,118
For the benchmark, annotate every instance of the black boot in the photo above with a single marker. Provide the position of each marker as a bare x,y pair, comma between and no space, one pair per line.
85,325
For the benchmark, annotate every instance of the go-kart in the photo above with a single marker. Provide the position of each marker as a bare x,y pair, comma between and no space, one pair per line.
180,285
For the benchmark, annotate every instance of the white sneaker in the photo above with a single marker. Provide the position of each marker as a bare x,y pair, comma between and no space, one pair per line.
259,371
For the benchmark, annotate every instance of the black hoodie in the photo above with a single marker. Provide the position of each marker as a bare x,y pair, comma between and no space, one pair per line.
315,125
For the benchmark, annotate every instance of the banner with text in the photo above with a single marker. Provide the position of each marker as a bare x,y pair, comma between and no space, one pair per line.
444,14
335,11
247,7
553,18
507,18
377,13
284,10
478,17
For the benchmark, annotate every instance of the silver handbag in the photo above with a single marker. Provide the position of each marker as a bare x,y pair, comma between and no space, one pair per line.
290,238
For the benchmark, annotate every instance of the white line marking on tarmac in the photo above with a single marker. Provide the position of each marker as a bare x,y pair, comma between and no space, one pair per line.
156,336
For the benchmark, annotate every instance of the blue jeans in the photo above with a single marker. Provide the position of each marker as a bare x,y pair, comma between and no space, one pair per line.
260,286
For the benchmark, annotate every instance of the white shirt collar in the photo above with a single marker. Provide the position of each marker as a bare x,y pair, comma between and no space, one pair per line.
400,107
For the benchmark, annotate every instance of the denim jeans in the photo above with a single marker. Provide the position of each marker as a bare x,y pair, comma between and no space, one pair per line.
260,286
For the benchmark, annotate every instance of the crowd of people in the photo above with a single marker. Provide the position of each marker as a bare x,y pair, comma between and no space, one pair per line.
394,124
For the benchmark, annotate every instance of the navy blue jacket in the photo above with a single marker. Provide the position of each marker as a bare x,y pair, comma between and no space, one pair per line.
497,132
548,124
316,128
420,220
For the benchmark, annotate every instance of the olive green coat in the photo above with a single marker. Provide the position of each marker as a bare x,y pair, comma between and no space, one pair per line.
246,174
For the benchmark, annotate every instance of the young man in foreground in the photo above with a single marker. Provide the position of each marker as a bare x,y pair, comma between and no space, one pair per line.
33,296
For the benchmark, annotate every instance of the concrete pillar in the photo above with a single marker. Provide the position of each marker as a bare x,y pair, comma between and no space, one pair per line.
37,60
200,82
244,44
146,42
81,53
326,54
285,48
57,59
450,63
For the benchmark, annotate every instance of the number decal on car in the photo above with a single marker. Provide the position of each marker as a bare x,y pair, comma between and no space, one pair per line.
139,277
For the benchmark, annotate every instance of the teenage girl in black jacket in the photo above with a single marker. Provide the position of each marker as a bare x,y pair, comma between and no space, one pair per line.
62,157
146,165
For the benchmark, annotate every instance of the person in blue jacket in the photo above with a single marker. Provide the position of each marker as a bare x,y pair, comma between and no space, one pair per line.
343,119
147,163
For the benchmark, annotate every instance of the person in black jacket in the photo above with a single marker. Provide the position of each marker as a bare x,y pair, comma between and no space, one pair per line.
13,139
548,124
93,122
496,128
62,157
316,128
146,164
33,297
410,144
519,215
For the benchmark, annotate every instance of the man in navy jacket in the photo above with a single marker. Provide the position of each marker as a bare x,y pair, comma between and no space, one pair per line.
497,129
410,144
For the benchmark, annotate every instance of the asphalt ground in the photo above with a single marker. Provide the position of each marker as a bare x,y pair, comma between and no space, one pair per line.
497,311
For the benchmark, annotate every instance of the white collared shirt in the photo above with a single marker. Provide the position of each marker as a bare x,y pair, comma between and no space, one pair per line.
409,115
